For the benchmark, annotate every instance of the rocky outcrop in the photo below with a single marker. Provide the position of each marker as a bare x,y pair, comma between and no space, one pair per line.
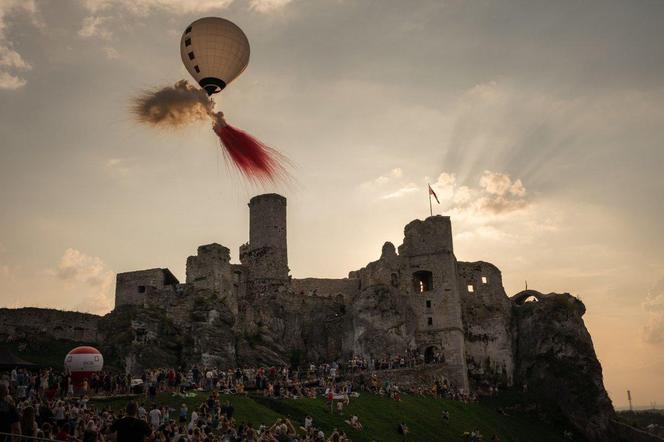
556,362
379,322
25,323
135,337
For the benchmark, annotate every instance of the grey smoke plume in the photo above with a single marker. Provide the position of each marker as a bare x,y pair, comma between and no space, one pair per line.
172,106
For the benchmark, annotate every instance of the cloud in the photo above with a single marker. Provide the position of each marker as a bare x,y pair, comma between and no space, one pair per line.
12,59
383,179
653,330
12,63
267,6
144,7
10,81
179,7
118,167
95,26
111,53
408,188
497,193
76,269
500,194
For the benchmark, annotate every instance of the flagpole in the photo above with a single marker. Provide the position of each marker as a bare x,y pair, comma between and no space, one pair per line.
429,192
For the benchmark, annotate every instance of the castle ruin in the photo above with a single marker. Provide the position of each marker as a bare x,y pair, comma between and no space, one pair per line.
418,299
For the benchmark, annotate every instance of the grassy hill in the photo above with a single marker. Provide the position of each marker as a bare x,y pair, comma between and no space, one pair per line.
380,417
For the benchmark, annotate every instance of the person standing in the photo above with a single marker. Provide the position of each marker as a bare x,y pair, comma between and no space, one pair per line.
184,411
155,417
130,428
9,420
28,422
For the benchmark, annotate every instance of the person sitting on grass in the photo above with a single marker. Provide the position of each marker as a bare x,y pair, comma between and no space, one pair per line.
308,423
355,423
446,416
403,430
282,430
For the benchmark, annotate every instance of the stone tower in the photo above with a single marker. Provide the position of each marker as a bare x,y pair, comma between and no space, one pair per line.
429,259
266,254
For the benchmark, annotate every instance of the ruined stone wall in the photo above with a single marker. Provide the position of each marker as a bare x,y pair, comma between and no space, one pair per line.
131,287
410,301
266,256
347,288
211,270
432,289
487,316
25,323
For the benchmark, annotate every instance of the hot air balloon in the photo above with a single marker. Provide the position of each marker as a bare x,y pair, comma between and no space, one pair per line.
81,363
215,52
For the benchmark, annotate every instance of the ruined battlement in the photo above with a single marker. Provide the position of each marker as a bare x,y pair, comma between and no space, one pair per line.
432,235
210,268
266,255
132,287
347,288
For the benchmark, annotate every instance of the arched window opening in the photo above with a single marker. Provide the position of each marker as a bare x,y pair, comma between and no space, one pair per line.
422,281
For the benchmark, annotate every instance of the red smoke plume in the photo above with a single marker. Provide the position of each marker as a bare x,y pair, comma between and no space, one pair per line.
256,161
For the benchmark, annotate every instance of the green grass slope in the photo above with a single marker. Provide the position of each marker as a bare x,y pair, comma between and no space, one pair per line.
380,417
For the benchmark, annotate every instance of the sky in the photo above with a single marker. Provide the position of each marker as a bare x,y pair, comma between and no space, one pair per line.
539,124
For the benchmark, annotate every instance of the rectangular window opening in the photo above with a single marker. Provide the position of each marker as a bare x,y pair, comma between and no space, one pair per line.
429,321
191,56
188,30
428,303
422,281
484,280
141,289
187,41
198,71
471,289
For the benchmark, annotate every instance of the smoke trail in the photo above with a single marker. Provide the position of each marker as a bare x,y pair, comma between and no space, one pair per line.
255,160
172,106
181,104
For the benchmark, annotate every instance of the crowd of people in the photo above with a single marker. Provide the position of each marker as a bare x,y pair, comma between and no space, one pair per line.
75,419
46,404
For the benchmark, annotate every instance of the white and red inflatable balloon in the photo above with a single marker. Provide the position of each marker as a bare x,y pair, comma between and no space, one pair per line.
81,363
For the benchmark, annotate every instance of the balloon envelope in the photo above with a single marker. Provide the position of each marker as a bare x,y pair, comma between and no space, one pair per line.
215,51
84,360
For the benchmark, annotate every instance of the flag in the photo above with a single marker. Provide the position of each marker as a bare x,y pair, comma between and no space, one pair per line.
431,192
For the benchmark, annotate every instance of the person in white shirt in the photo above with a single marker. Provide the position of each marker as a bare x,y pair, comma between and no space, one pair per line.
194,419
155,417
141,412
